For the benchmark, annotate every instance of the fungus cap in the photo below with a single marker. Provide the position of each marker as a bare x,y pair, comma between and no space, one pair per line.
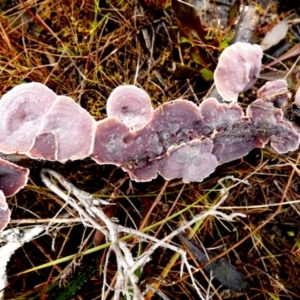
274,91
172,117
145,173
67,132
191,162
283,137
22,111
45,147
297,97
275,35
131,105
12,177
4,211
110,145
237,70
220,115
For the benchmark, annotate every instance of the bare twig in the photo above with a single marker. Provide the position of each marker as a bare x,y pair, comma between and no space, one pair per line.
13,239
247,24
127,282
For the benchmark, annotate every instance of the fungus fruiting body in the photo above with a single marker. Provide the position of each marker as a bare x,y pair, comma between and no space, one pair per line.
275,35
130,105
192,161
181,135
66,132
4,211
176,140
297,97
12,179
238,69
22,111
274,91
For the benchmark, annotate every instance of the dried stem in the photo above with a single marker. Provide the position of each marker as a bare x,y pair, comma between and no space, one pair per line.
127,282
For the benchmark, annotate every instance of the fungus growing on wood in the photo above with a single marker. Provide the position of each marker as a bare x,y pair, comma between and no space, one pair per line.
237,70
37,122
66,132
12,179
174,116
110,145
192,161
182,140
4,212
131,105
22,111
45,146
297,97
261,124
274,91
218,116
177,139
271,127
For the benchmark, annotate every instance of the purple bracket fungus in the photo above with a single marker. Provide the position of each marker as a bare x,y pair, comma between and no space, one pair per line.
12,179
192,161
219,116
116,144
37,122
176,140
110,145
22,112
172,118
275,35
274,91
67,132
297,97
45,146
261,124
137,151
269,120
4,212
237,70
185,141
131,105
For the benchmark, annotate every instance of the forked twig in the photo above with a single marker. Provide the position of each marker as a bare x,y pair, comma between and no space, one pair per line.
88,207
